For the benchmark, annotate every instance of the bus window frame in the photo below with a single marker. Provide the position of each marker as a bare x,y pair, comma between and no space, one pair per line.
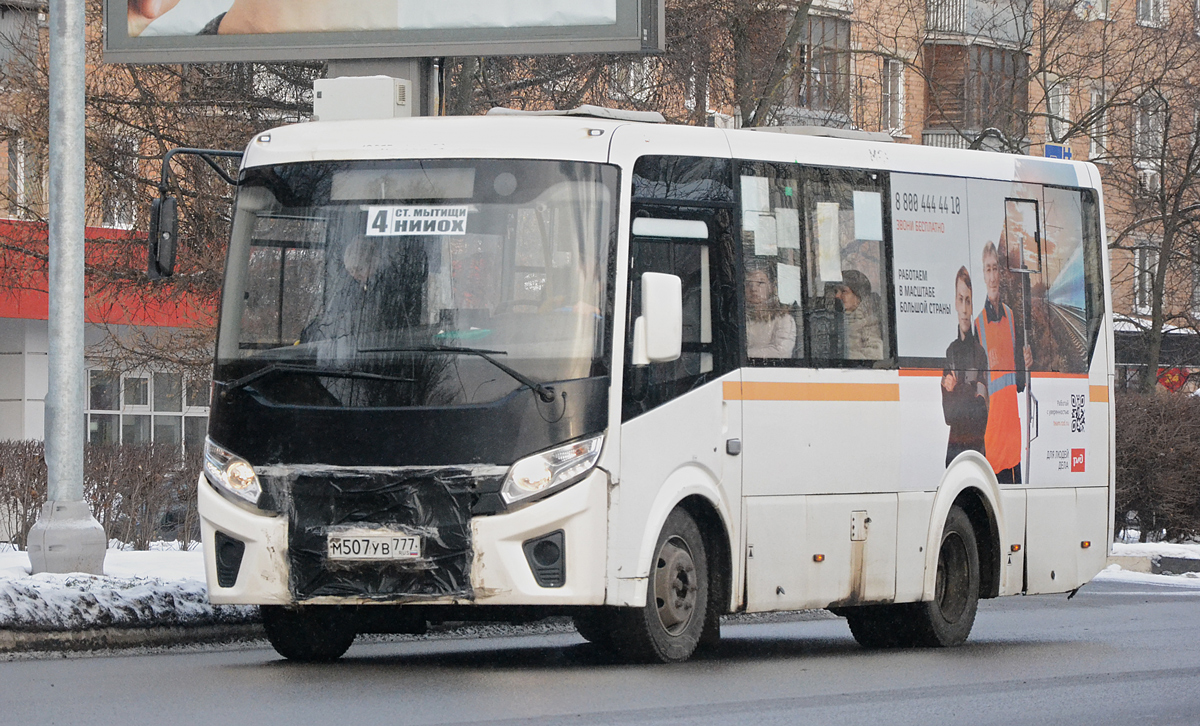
804,174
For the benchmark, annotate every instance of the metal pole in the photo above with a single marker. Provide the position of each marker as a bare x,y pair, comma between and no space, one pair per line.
66,537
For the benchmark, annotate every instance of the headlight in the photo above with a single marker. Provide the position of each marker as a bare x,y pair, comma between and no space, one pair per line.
231,473
549,469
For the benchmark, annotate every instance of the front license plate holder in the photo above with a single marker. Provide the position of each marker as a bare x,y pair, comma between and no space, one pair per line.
373,545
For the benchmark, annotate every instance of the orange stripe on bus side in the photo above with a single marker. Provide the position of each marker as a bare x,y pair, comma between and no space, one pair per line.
918,372
1099,394
764,391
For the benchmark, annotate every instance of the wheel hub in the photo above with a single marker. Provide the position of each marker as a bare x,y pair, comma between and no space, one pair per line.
675,586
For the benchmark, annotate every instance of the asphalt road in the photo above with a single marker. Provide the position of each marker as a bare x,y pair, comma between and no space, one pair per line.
1116,654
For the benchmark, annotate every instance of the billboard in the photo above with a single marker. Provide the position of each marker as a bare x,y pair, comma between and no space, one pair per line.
191,31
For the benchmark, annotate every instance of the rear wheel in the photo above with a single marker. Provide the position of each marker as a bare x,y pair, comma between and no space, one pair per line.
670,626
309,634
947,619
880,626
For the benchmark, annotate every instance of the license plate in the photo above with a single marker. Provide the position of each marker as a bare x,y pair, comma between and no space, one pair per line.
374,545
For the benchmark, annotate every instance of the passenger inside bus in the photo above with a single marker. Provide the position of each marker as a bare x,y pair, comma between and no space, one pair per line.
861,329
770,327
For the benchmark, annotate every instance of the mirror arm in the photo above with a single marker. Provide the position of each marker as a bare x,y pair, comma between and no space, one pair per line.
206,154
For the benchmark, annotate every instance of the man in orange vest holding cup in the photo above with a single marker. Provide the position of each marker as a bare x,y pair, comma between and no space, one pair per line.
1001,338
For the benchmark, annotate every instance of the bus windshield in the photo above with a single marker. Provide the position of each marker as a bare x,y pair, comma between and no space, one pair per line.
422,275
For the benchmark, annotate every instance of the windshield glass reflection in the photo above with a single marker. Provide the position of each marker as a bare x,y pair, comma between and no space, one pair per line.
394,268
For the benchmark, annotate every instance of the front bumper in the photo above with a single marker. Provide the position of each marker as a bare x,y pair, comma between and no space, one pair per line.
499,572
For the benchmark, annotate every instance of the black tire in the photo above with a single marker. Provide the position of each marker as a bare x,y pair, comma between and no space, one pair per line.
309,634
880,626
670,626
595,625
946,620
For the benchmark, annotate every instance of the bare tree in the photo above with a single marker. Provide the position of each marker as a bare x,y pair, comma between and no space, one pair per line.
134,115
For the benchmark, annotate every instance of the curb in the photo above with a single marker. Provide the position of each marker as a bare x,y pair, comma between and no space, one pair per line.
1132,563
20,641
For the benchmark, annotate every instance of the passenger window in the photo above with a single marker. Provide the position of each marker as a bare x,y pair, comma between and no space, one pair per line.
772,262
847,307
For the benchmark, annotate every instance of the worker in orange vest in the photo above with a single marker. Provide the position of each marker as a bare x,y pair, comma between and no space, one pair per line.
1001,337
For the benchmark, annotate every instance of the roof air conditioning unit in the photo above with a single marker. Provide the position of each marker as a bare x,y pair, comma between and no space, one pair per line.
361,97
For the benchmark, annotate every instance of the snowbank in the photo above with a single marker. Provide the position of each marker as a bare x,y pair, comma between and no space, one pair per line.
1156,549
137,589
1114,573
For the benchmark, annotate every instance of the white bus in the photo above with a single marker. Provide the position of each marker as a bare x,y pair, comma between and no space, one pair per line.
644,375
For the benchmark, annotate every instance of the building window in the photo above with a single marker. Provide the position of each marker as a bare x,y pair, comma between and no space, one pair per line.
1058,106
997,89
946,16
1098,114
146,407
1152,13
892,102
634,80
25,178
822,74
1195,287
971,88
120,194
1149,130
1092,9
1146,267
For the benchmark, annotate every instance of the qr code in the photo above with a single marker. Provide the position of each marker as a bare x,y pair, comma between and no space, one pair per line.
1078,408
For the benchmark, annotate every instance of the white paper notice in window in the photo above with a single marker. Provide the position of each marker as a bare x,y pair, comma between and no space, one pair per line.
788,284
829,242
868,216
787,229
756,196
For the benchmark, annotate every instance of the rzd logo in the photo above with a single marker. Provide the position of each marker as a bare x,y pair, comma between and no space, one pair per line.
1076,460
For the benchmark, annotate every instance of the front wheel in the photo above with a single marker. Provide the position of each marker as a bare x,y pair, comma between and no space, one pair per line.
669,627
947,619
309,634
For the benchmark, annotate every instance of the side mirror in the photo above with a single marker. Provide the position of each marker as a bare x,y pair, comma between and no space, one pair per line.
658,331
164,233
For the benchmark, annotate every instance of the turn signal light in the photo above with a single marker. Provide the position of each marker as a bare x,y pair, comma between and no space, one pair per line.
1085,544
1015,548
818,558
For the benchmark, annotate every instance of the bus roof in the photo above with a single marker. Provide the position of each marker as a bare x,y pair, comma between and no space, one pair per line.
586,138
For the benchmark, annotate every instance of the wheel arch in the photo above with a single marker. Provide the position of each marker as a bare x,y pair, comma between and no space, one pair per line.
694,490
716,540
969,483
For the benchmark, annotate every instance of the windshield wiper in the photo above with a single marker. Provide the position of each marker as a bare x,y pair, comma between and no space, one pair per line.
274,368
546,393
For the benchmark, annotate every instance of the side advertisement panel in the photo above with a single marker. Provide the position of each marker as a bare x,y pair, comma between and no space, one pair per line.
991,328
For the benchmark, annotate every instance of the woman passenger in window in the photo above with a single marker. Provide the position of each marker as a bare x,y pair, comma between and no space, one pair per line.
861,317
770,328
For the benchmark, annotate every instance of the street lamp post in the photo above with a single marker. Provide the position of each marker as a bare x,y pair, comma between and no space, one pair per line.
66,537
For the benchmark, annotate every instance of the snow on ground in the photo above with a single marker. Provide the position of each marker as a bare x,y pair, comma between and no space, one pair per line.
1156,549
1114,573
164,586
